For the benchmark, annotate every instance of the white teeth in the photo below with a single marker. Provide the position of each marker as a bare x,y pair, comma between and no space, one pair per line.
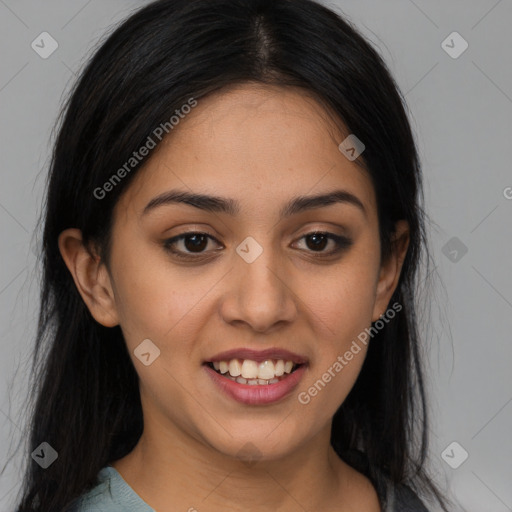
279,368
235,368
249,369
266,370
250,372
288,366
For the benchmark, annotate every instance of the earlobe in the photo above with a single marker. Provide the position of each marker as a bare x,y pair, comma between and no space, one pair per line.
91,277
391,269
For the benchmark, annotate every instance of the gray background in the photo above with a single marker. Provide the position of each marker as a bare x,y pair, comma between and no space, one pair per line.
460,110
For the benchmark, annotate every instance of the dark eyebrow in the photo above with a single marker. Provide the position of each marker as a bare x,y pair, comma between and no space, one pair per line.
231,207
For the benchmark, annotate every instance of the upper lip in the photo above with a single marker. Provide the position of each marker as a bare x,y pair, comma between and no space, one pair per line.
258,355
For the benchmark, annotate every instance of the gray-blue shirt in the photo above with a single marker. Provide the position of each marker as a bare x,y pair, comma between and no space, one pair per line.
113,494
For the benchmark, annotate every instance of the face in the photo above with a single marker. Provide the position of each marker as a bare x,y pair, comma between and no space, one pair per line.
247,283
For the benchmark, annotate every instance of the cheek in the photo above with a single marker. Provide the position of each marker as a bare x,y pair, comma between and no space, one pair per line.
341,300
162,304
157,300
341,306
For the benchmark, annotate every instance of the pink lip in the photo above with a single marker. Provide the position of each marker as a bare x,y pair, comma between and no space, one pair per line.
258,355
257,394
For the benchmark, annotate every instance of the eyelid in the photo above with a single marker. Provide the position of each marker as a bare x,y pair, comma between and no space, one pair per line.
170,241
342,243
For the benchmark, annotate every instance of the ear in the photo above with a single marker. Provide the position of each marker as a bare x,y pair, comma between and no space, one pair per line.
91,277
390,269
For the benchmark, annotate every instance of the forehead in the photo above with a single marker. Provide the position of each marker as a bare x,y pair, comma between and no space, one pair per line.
260,144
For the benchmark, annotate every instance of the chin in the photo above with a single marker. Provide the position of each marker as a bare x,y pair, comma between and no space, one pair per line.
267,444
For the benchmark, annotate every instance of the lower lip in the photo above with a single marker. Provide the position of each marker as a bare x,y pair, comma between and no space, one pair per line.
257,394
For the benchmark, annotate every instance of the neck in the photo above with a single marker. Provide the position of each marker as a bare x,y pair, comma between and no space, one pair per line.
171,470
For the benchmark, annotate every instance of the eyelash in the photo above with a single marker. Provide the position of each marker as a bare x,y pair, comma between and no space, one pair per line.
342,243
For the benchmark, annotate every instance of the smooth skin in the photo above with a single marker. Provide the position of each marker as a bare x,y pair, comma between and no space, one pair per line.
261,146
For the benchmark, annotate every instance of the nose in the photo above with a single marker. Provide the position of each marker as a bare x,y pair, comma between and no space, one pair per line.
259,294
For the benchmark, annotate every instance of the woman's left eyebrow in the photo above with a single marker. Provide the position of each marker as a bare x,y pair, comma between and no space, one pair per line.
216,204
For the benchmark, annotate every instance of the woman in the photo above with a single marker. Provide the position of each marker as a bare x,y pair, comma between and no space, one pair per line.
232,235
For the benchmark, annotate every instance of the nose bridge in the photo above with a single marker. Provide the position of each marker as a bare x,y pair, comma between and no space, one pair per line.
259,268
262,295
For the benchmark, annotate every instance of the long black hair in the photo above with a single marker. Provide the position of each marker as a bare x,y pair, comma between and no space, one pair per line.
85,393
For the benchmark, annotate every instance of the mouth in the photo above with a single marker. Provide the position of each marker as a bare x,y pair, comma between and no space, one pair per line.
256,377
252,373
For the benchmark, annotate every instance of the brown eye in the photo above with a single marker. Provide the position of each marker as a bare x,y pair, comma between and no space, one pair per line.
192,243
195,243
317,241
